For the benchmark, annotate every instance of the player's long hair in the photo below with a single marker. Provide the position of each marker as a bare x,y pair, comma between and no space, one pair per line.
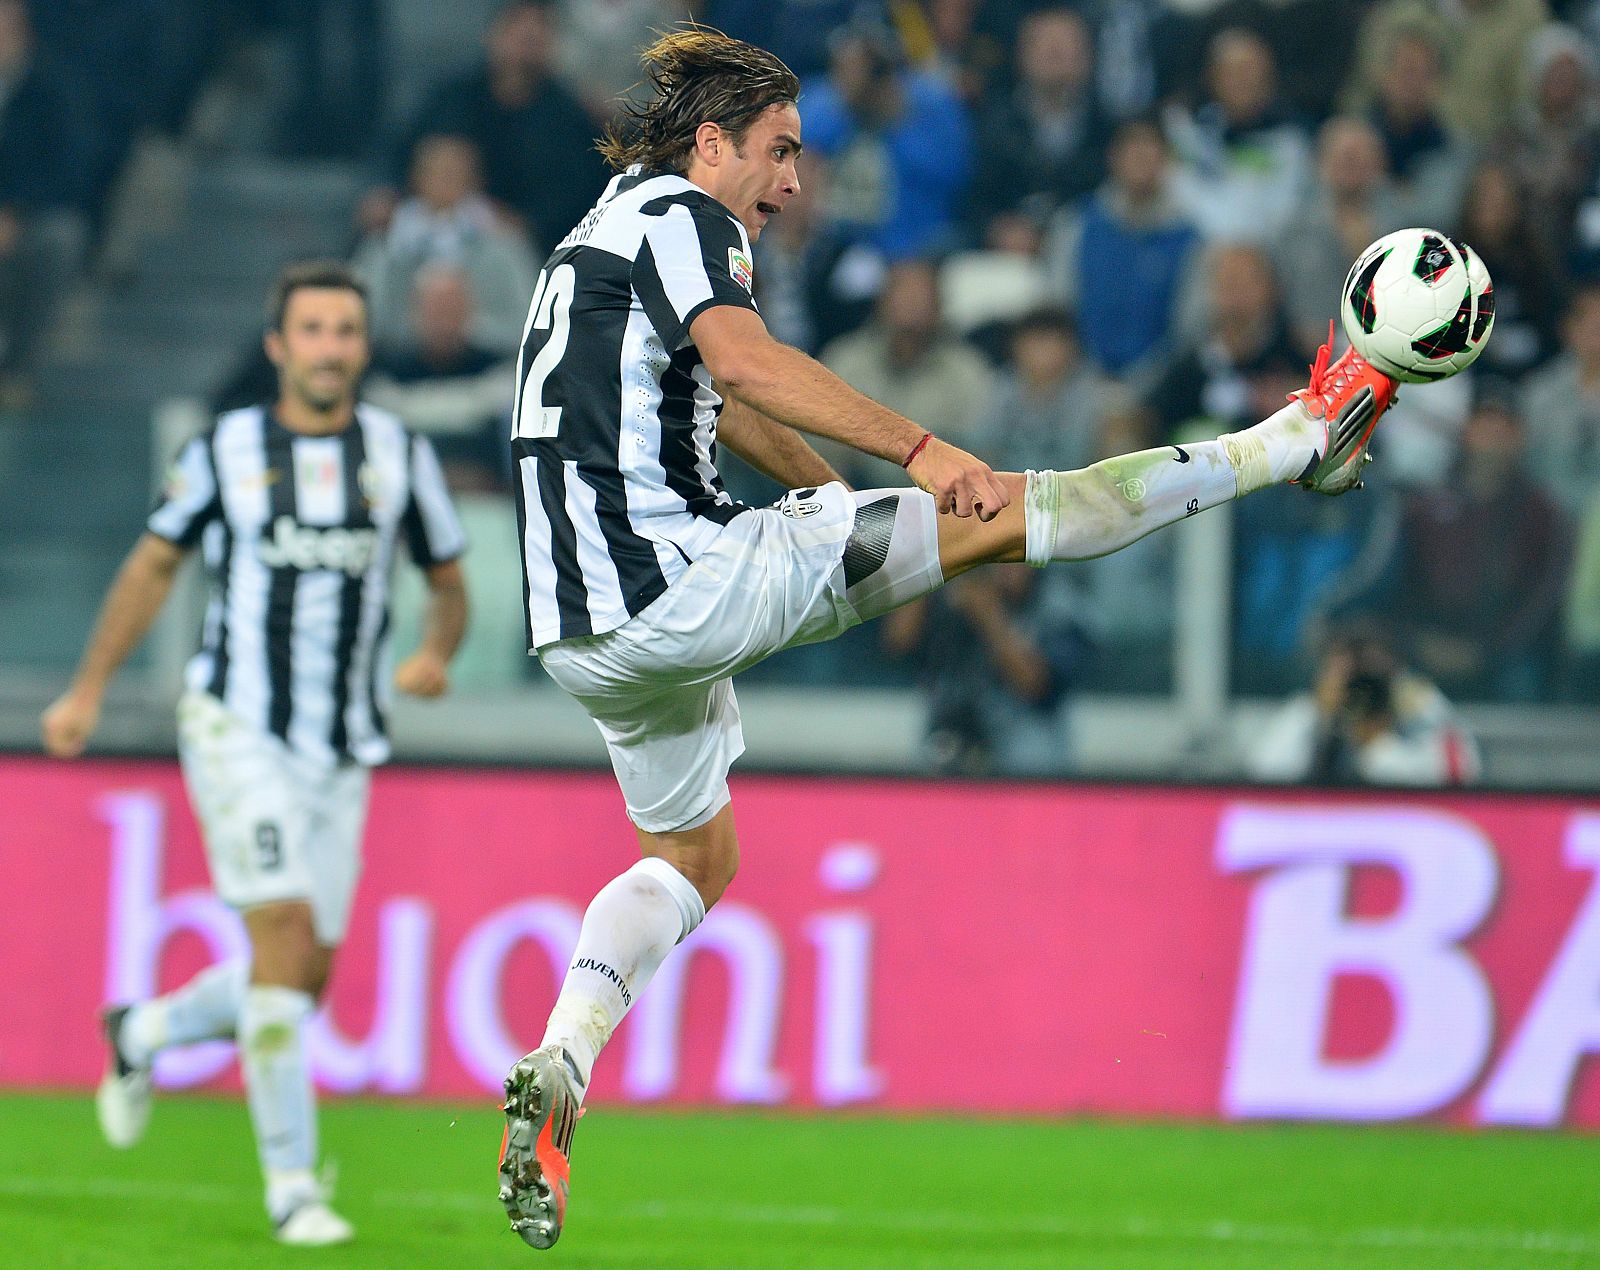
697,76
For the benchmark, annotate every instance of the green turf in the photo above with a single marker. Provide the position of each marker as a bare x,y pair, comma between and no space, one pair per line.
744,1191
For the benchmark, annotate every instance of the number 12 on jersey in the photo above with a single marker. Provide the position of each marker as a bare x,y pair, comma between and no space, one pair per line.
549,317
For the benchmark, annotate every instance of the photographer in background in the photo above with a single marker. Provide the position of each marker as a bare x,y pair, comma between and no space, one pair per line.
1368,721
997,655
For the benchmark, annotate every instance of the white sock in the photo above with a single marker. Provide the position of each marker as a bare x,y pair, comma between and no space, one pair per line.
204,1009
287,1189
628,930
1100,509
1277,449
277,1082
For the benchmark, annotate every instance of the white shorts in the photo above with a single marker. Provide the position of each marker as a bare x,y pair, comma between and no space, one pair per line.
804,570
276,825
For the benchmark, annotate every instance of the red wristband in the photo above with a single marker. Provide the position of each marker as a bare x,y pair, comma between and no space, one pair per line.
917,449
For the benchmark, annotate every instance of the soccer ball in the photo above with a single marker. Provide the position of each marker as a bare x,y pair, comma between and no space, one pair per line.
1418,305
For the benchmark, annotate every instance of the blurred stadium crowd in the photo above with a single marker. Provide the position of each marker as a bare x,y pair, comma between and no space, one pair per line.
1047,231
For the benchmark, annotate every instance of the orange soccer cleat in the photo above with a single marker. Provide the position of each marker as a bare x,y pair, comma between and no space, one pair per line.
1348,397
542,1110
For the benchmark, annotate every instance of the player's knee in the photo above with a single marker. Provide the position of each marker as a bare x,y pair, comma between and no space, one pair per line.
315,971
300,969
307,970
284,948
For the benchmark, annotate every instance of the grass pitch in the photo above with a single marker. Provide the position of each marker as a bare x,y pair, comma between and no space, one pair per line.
743,1191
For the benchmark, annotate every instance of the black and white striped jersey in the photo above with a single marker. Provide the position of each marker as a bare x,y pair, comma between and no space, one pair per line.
299,536
615,421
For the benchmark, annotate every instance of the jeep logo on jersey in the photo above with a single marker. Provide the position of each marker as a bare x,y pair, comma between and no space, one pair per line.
739,266
294,546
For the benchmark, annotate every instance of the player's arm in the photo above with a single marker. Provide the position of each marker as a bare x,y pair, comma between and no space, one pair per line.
771,448
426,673
797,390
139,590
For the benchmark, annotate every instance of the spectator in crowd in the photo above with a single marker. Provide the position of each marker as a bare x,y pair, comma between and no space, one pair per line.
116,61
1582,15
1243,355
941,36
1527,285
536,141
1047,407
1122,261
1351,203
812,285
1481,42
1295,557
1561,402
1427,159
898,145
1242,162
599,46
459,395
338,51
447,219
1481,569
1370,721
1292,554
798,32
444,384
1297,33
1553,142
1581,615
967,42
1136,44
908,361
1298,562
44,149
997,659
1422,432
1041,141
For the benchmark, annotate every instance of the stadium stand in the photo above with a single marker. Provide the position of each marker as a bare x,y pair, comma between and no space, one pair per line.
194,195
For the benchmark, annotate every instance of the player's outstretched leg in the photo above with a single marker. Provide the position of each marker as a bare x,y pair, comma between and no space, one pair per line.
542,1110
1318,441
204,1009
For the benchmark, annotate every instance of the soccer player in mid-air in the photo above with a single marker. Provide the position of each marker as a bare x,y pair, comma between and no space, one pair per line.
300,507
647,587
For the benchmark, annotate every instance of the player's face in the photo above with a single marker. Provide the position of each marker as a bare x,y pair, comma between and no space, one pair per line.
757,178
321,351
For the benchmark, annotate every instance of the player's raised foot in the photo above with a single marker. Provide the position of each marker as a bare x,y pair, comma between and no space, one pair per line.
122,1102
542,1109
1348,398
312,1224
